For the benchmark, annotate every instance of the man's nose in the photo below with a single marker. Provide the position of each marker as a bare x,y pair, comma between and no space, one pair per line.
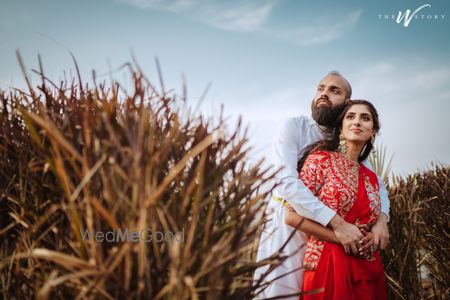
324,94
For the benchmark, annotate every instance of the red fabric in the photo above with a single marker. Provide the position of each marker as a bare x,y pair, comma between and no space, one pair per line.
339,276
342,277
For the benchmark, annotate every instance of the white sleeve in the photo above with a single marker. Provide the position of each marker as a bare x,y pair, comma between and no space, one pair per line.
385,204
291,188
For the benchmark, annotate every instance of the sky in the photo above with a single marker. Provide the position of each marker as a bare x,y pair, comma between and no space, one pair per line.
262,59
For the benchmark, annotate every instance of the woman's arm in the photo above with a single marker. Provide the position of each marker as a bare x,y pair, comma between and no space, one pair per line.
293,219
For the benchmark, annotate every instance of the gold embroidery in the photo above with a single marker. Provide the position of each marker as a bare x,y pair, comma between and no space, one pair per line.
334,180
373,193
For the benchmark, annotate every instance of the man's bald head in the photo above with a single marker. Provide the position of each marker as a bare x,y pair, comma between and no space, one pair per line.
331,93
348,94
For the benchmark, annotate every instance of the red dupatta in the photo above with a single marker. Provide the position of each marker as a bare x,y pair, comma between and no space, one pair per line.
361,211
342,276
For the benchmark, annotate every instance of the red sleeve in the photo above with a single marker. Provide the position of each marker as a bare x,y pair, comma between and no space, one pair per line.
314,169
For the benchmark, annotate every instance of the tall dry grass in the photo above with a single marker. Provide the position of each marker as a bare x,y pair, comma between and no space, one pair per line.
77,158
417,259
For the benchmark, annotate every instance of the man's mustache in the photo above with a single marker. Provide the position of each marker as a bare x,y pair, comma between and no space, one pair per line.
323,99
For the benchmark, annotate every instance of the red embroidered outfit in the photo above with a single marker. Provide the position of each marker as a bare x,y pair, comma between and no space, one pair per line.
352,191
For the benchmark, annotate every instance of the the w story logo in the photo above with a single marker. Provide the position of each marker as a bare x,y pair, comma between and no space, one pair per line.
407,16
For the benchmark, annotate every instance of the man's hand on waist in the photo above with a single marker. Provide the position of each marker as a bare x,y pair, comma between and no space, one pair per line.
380,232
348,234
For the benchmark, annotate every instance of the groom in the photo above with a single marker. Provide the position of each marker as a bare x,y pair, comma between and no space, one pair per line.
289,146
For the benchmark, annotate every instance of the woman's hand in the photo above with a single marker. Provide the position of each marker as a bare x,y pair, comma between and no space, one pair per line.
291,217
366,244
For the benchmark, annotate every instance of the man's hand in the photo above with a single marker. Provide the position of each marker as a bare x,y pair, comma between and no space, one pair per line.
380,232
348,234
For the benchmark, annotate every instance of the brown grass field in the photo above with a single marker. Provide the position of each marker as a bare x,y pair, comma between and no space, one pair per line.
77,158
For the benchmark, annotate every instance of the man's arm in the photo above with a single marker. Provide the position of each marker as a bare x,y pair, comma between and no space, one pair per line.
291,188
294,220
290,138
385,204
380,229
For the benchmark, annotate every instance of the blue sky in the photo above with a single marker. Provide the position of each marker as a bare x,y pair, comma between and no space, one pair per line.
263,58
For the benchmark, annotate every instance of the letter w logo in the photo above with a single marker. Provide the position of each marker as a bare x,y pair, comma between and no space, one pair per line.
407,16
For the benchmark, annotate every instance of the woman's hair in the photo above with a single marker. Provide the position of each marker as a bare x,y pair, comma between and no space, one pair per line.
333,144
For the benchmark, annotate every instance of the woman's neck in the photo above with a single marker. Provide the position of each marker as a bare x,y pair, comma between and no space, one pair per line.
353,151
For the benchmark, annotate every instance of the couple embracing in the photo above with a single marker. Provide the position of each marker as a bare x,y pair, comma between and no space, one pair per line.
329,200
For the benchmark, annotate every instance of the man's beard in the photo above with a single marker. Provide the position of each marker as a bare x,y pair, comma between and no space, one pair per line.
326,115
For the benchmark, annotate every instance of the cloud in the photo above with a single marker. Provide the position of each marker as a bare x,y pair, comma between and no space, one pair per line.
431,78
246,18
411,79
175,6
325,30
253,16
224,15
412,97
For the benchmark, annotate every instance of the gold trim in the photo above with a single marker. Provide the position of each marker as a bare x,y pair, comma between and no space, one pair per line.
280,200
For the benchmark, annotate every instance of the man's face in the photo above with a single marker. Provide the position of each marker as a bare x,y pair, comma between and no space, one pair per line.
329,99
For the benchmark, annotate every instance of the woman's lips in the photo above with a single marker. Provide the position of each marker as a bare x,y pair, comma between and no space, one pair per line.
356,130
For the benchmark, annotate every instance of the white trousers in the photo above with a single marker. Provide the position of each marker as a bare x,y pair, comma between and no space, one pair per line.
274,235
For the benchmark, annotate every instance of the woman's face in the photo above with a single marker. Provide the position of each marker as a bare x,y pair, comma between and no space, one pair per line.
357,125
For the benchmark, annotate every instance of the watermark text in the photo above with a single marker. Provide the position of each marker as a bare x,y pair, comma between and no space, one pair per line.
146,235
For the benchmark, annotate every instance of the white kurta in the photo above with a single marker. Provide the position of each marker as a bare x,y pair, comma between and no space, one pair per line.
289,145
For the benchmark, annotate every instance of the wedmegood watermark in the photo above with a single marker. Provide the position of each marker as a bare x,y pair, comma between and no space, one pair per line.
420,14
146,235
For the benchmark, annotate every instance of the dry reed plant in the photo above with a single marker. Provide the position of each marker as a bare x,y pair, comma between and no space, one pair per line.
417,259
79,163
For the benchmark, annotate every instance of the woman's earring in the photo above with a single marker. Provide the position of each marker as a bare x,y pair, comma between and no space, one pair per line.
342,144
372,139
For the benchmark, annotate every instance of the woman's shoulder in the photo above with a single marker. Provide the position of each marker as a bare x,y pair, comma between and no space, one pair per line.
317,163
332,155
320,156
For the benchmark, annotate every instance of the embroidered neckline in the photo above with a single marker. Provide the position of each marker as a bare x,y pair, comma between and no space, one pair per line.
348,160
